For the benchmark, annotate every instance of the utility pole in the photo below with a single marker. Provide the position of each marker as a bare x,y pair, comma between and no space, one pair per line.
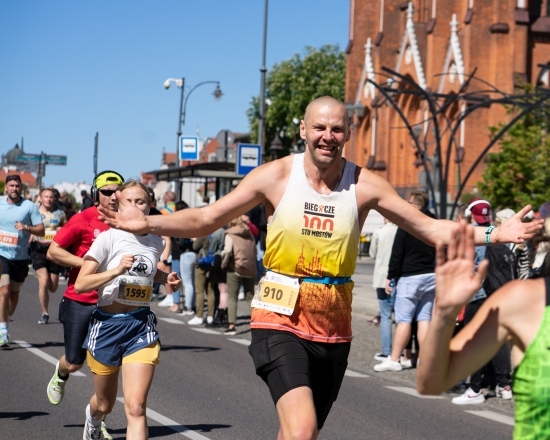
96,148
263,70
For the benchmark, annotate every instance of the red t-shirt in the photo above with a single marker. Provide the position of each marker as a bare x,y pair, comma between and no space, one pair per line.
77,237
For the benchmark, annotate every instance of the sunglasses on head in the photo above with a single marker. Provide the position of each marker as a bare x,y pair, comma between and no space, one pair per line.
11,177
107,192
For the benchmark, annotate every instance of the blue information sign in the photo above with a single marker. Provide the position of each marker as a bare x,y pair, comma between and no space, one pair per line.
48,159
249,156
55,159
29,158
189,148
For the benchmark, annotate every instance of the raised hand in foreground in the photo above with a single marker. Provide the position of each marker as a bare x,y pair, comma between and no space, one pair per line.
456,277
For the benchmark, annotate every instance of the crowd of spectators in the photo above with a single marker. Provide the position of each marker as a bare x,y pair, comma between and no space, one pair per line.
405,262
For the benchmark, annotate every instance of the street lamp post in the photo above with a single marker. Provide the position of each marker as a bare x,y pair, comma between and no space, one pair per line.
180,82
263,70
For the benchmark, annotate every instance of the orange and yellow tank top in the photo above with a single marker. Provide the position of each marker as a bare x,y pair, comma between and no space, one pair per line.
314,236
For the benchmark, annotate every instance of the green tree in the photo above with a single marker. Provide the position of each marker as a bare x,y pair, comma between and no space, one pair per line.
518,174
291,85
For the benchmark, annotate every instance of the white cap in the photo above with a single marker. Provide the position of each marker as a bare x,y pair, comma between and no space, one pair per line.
505,214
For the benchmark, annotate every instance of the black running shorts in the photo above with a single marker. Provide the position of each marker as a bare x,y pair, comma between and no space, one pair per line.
285,362
17,270
39,260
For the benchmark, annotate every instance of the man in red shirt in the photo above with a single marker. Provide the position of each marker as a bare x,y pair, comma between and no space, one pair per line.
75,309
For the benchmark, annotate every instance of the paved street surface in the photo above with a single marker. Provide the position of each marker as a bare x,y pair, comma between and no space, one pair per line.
205,387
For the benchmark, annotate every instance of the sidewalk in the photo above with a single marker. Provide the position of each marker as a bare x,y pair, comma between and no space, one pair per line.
365,301
366,342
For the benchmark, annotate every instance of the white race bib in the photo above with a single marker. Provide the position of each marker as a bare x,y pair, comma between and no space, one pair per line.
277,293
8,238
134,291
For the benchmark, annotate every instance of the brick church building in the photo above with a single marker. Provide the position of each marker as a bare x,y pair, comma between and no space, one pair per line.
437,44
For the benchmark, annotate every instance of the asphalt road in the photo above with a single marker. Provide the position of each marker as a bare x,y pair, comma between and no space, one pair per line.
206,388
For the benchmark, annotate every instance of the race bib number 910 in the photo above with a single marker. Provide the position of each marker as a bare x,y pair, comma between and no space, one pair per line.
277,293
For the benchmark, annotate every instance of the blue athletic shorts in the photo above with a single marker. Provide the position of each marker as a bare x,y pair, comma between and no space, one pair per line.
414,298
112,337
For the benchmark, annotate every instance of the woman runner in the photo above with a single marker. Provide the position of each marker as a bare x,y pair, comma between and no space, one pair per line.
122,266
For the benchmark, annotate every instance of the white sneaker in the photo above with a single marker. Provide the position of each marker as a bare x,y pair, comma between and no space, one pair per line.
56,387
197,320
209,319
469,398
4,339
167,301
91,432
388,365
405,363
241,296
380,357
504,392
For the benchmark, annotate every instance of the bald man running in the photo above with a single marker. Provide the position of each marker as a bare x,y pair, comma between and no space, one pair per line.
316,203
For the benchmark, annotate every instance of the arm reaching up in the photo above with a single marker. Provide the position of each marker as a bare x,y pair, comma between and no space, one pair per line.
512,314
456,283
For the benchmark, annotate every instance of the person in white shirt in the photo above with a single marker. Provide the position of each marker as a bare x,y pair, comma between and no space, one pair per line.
380,249
123,267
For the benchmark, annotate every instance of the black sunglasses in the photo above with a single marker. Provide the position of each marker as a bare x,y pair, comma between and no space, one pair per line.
107,192
11,177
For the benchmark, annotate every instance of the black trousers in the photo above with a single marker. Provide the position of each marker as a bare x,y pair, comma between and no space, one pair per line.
497,370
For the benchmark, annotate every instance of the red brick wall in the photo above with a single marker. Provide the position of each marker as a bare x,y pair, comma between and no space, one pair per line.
498,53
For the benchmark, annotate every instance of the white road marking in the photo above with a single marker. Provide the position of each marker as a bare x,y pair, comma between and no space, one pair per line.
172,424
206,331
351,373
171,320
43,355
240,341
496,417
413,392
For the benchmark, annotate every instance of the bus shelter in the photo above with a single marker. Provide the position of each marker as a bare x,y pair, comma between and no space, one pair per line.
207,179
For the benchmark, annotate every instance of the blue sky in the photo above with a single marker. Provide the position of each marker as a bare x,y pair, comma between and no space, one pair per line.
74,68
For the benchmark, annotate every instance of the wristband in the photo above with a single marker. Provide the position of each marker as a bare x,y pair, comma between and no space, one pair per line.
488,235
26,227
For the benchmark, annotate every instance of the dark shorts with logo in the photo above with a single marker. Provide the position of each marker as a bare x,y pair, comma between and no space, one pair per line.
112,337
285,362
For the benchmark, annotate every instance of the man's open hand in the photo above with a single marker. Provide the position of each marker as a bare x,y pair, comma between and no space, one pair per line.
514,230
128,218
